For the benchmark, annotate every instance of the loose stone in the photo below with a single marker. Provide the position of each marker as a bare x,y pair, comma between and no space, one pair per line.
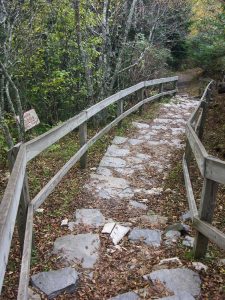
177,280
81,248
53,283
91,217
149,237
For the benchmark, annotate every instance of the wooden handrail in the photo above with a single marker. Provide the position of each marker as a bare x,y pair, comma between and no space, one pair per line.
213,172
11,199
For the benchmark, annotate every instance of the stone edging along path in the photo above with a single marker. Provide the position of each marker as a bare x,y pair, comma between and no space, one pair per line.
130,176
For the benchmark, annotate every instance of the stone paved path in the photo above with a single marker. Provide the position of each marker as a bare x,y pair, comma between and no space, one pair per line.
131,172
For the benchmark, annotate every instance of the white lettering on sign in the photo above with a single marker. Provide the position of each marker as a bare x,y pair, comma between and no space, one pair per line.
30,119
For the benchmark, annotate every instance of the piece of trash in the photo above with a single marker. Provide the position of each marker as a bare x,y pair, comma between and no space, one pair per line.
170,260
144,200
71,225
199,266
40,210
118,233
64,222
108,227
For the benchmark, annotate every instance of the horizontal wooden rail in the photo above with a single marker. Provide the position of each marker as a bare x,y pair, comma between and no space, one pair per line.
212,233
11,199
9,207
189,191
197,148
213,173
215,169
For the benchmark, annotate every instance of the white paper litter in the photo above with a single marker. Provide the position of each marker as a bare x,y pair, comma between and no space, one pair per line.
118,233
170,260
108,227
64,222
199,266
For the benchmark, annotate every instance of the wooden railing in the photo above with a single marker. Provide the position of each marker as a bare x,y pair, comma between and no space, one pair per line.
16,203
213,172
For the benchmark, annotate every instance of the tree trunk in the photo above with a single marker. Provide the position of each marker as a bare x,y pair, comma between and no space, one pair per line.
120,56
83,54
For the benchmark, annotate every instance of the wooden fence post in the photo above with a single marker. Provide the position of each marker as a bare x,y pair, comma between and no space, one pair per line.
83,141
24,198
203,119
207,205
140,96
175,86
161,88
120,105
188,153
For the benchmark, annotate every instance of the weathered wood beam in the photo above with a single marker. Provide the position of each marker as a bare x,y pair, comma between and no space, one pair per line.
83,141
189,190
24,199
26,258
9,207
207,205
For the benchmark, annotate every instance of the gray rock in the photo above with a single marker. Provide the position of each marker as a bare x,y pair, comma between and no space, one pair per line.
188,241
140,125
150,237
126,296
178,280
116,151
221,262
53,283
183,228
82,248
155,219
138,205
32,295
179,296
186,216
135,142
172,235
113,162
92,217
104,171
118,140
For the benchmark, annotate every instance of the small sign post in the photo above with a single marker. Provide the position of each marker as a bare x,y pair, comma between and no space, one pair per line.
30,119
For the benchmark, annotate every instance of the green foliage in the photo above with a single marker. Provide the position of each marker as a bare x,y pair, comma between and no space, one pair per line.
206,48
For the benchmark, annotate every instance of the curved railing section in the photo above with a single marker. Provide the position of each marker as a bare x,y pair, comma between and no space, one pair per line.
16,203
213,172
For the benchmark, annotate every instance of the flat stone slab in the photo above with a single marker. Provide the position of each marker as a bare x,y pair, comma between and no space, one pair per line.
53,283
154,219
148,236
81,248
135,142
179,296
118,140
92,217
188,241
113,162
140,125
138,205
104,171
126,296
32,295
116,151
178,280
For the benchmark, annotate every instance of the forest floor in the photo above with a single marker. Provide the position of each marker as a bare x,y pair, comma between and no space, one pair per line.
70,196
